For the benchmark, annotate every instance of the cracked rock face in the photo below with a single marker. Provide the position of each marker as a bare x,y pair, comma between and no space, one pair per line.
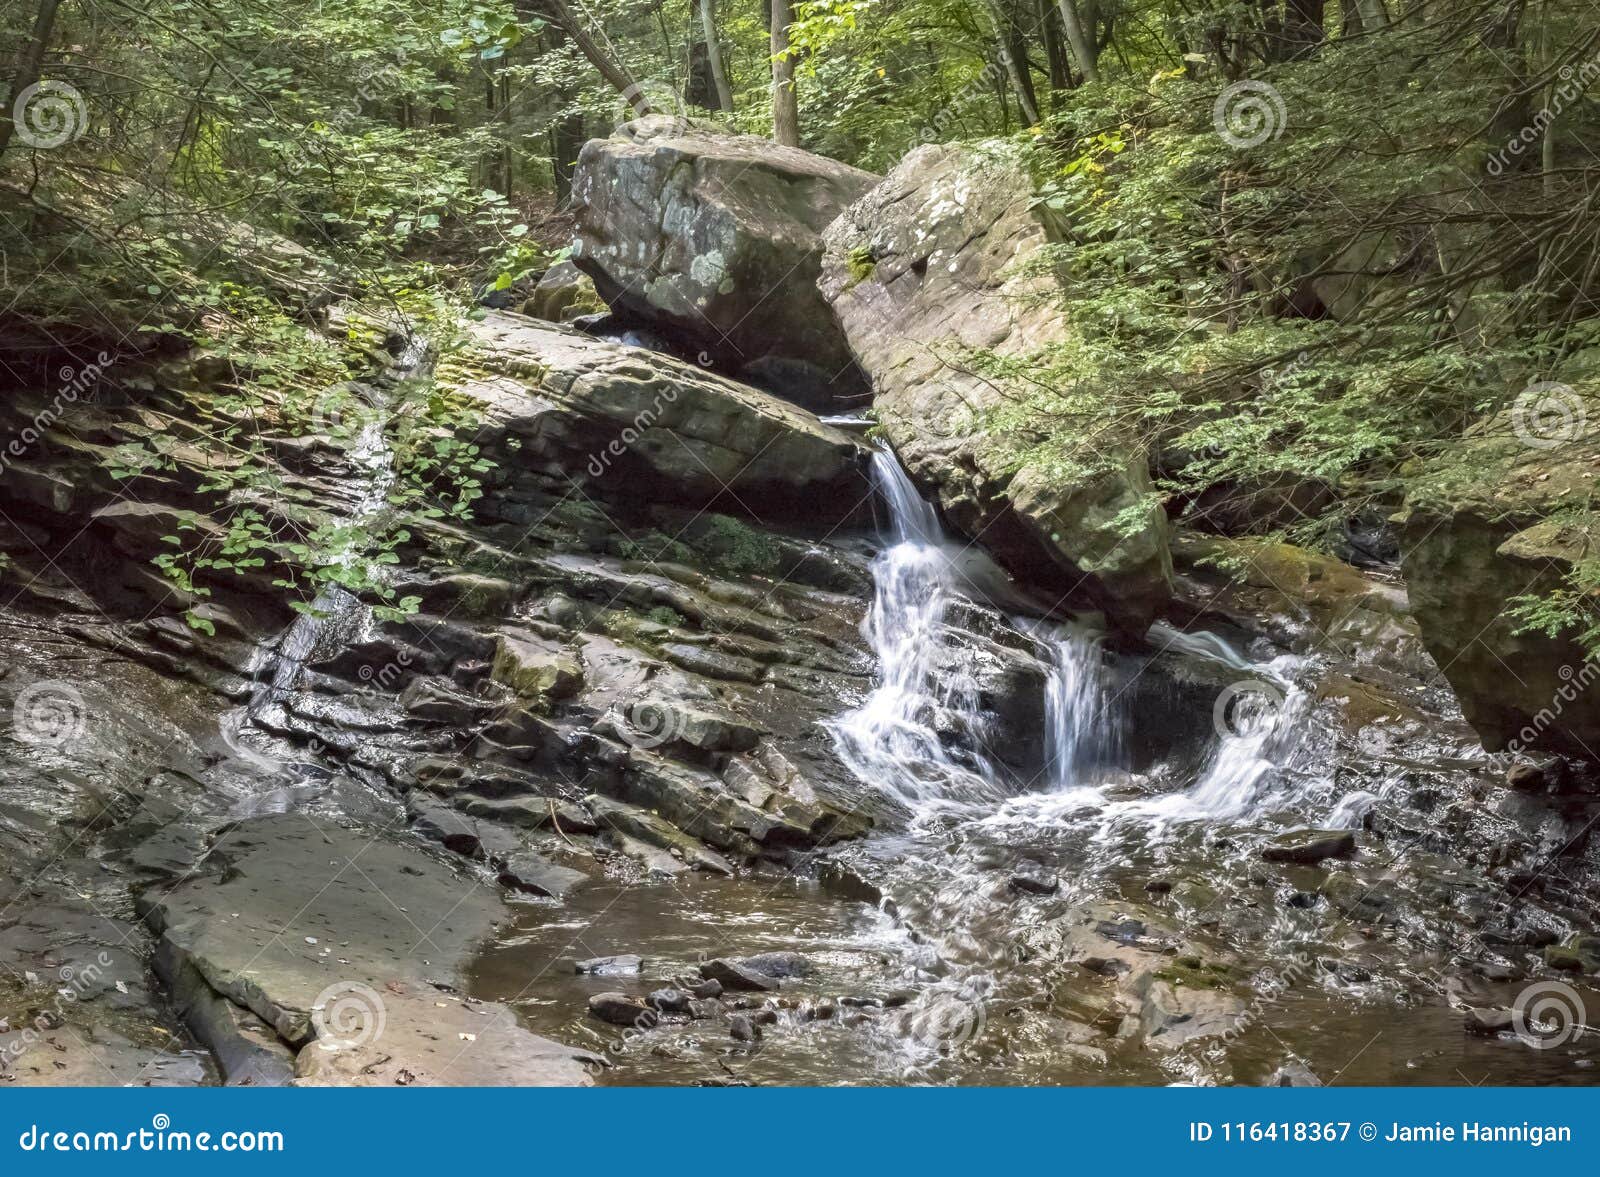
716,238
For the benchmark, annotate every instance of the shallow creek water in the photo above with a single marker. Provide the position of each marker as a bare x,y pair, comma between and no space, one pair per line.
955,974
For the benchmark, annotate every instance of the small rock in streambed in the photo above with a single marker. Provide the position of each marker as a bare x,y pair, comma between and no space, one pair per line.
621,1010
670,1001
533,874
743,1029
1495,971
1306,847
733,975
1122,931
1488,1022
1349,974
705,990
610,966
779,965
702,1009
1031,878
1526,778
1103,966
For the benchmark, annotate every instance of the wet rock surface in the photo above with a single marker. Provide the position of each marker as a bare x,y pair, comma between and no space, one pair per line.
601,759
1475,543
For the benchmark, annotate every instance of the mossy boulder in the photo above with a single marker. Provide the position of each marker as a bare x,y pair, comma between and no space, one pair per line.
535,669
564,293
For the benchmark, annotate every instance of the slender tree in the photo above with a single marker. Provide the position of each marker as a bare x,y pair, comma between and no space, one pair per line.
609,65
29,63
719,71
1014,52
1078,37
785,103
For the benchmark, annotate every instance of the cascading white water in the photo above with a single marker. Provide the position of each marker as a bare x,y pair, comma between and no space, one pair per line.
1082,732
895,739
336,615
891,739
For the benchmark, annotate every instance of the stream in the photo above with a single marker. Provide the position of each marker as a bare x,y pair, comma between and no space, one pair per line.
1008,847
962,970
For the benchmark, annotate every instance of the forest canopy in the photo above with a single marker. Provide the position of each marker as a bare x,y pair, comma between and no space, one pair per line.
1303,242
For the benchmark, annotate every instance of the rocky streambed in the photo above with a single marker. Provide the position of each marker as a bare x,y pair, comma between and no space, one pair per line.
712,746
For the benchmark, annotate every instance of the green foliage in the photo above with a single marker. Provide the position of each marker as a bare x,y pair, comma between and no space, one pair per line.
664,615
734,547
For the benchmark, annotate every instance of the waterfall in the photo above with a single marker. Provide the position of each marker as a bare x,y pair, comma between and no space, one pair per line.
1082,731
906,737
891,740
336,616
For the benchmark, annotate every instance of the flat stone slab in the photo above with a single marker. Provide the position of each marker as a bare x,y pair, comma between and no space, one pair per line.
350,946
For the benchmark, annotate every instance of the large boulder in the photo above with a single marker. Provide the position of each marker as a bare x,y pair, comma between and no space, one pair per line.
930,267
1507,516
575,407
716,238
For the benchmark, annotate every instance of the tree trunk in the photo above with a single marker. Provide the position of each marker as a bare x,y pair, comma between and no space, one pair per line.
611,69
1055,50
719,72
1374,15
1078,38
566,140
29,62
1014,57
1303,27
785,103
